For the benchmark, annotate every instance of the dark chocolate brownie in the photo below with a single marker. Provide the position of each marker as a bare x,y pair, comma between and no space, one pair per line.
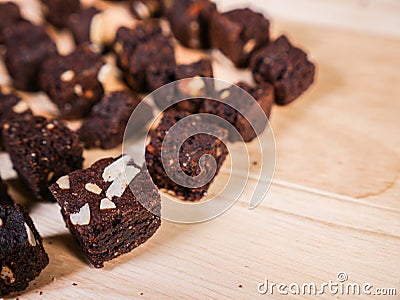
22,256
193,148
41,151
187,89
107,121
79,24
57,12
264,96
284,66
27,47
71,81
145,9
238,33
145,55
9,16
190,21
101,211
11,108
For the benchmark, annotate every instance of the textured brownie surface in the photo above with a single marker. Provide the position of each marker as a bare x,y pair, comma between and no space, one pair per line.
41,150
284,66
27,47
57,12
190,21
9,15
145,55
105,126
249,110
190,153
22,256
71,81
108,222
79,24
238,33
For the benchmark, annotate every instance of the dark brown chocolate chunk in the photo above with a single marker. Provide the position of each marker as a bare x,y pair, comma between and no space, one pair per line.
190,21
57,12
247,116
9,16
27,47
106,124
106,218
79,23
72,81
22,256
41,150
238,33
284,66
193,148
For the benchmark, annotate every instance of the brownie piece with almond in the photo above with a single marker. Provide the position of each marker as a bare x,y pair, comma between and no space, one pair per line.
284,66
110,208
41,150
57,12
22,256
237,33
71,81
106,124
27,47
166,158
79,23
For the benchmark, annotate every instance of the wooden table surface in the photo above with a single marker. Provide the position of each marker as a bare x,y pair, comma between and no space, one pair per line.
334,205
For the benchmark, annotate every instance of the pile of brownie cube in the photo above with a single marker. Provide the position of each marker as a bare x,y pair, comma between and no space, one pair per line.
105,216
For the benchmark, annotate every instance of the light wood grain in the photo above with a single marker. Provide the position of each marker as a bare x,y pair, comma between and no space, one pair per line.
335,202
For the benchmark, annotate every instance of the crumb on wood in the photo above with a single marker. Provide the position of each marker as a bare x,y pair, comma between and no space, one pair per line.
40,293
141,294
240,285
255,163
74,284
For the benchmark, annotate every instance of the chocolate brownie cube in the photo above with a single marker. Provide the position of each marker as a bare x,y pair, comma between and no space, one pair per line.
105,216
22,256
11,108
71,81
145,9
190,21
41,150
247,114
27,47
192,186
106,124
57,12
238,33
284,66
79,23
9,16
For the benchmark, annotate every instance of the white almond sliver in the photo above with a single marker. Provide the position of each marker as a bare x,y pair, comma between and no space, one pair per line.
82,217
117,188
20,107
31,237
113,171
93,188
63,182
107,204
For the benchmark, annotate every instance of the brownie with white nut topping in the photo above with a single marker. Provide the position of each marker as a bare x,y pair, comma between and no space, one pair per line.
22,256
41,150
110,208
72,81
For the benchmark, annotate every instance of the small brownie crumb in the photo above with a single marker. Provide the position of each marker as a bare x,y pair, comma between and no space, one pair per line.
11,108
105,126
284,66
101,211
190,21
145,55
72,81
22,256
9,16
41,150
27,47
57,12
248,109
79,23
193,148
238,33
145,9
